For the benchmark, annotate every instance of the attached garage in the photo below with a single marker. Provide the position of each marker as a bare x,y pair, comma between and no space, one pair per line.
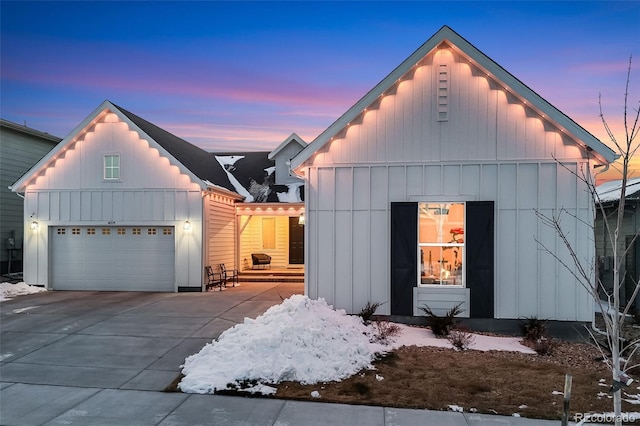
112,258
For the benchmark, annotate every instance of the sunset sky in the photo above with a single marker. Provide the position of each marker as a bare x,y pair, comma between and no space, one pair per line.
234,76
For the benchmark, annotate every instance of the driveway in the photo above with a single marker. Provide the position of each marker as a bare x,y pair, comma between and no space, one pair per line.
119,340
100,358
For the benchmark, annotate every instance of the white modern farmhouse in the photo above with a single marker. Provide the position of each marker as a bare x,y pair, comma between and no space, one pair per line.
425,193
121,204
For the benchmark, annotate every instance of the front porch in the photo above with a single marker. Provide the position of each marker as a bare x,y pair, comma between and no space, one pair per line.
279,274
275,229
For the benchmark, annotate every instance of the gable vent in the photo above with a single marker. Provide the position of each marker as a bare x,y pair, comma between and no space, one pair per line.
443,93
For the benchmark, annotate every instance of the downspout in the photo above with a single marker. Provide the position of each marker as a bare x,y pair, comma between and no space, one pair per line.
593,321
17,193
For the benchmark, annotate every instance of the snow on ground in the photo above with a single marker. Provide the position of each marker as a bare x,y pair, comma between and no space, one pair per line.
301,340
8,290
419,336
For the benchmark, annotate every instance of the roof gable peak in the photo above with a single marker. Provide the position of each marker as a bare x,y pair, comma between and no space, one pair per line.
293,137
498,77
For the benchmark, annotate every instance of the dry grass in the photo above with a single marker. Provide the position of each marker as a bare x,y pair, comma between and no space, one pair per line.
494,382
491,382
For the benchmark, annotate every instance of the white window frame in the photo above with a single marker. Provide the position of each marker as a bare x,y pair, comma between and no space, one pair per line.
463,260
111,168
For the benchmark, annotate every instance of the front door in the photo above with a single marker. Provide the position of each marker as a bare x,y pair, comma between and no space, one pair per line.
296,241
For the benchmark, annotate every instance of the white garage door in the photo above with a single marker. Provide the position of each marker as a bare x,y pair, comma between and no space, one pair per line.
112,258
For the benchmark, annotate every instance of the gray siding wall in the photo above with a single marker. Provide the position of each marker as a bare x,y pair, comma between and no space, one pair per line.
604,250
19,151
283,175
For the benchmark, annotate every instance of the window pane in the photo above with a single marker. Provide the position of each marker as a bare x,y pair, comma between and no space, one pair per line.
441,223
441,265
112,166
441,243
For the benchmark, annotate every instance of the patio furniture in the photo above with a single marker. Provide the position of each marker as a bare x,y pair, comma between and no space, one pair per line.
261,260
214,278
229,275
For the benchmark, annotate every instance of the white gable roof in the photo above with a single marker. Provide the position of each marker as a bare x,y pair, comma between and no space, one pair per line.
494,72
107,107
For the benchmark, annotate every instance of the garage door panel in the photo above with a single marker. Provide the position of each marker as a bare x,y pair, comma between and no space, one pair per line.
113,258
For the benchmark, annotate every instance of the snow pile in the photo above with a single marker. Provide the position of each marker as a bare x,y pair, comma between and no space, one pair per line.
301,339
8,290
307,341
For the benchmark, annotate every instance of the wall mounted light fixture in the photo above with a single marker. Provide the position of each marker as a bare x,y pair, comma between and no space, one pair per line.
301,219
34,226
187,226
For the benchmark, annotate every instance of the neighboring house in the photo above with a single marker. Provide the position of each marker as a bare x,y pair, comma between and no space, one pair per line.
425,192
609,197
122,204
20,148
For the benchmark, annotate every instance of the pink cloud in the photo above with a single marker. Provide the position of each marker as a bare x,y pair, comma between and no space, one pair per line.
608,67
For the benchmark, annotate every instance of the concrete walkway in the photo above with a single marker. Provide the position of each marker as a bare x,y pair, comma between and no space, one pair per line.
103,358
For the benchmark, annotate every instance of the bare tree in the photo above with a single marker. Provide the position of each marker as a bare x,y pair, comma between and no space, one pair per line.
620,354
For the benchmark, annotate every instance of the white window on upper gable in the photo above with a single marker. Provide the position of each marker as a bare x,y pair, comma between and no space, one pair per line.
112,167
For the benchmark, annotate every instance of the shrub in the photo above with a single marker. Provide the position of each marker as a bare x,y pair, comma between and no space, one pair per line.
461,338
384,330
533,328
544,346
534,332
440,325
367,312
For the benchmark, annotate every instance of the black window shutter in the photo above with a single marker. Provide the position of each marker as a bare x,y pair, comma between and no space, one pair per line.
404,256
479,243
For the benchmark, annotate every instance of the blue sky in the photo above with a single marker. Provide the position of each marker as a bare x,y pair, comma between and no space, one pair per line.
234,76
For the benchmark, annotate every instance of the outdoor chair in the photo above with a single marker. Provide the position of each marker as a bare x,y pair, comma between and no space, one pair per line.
214,278
261,259
229,275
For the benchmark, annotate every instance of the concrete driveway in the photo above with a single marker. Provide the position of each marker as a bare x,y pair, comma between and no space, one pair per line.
100,358
119,340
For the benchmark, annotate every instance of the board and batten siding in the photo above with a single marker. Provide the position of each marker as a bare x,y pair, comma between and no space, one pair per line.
489,148
484,123
349,262
72,191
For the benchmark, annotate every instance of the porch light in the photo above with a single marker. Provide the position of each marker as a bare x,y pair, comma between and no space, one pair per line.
35,226
187,226
301,219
